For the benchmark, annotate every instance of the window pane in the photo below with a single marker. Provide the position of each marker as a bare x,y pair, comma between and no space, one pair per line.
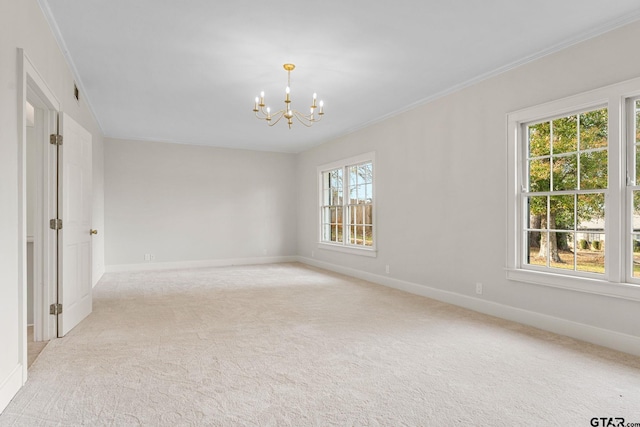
332,181
561,254
636,211
537,206
539,175
368,214
590,252
636,255
366,172
353,176
565,173
540,139
335,196
562,212
360,193
593,170
638,121
368,236
369,192
591,212
637,164
594,129
537,254
565,135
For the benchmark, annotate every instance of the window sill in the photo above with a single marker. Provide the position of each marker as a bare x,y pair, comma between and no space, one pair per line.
581,284
370,252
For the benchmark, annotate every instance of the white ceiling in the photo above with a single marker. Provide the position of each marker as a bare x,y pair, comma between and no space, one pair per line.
188,71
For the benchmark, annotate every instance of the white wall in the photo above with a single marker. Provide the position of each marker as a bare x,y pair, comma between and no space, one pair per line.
22,25
441,191
185,203
98,240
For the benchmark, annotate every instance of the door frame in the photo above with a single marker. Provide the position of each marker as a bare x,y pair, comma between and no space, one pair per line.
33,87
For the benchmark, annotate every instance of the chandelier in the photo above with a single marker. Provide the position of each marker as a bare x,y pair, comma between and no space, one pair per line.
288,112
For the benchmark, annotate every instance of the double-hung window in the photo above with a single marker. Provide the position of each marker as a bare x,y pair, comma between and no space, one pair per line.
347,205
574,192
565,180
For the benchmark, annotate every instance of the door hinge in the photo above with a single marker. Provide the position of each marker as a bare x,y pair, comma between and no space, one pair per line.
55,224
55,139
55,309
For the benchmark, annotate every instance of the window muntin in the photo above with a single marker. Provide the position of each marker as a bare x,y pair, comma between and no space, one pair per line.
347,204
564,195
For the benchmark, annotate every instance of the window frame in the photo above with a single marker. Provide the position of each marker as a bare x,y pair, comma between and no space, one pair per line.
617,281
345,246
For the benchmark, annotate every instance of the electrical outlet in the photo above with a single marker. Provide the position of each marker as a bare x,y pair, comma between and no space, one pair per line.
147,257
313,254
264,252
386,269
152,257
479,288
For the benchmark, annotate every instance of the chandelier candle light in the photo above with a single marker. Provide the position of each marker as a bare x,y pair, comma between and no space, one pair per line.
288,112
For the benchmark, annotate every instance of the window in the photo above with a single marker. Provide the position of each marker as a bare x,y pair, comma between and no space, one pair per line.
574,206
347,205
565,184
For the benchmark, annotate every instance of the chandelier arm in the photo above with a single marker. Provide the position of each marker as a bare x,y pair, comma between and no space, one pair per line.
302,119
311,117
279,115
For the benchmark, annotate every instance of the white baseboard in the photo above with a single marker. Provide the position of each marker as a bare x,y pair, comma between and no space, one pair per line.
10,386
604,337
150,266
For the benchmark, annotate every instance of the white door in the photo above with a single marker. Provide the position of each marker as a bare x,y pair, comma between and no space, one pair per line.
74,239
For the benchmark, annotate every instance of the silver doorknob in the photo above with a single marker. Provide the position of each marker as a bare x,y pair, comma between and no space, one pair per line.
94,231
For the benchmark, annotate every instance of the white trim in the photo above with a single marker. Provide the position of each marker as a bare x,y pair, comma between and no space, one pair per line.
581,284
10,386
604,337
119,268
351,249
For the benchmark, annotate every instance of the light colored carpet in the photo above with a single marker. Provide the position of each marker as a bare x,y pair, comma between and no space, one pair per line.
288,345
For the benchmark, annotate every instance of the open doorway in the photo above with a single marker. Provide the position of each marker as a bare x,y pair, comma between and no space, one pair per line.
35,136
37,203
